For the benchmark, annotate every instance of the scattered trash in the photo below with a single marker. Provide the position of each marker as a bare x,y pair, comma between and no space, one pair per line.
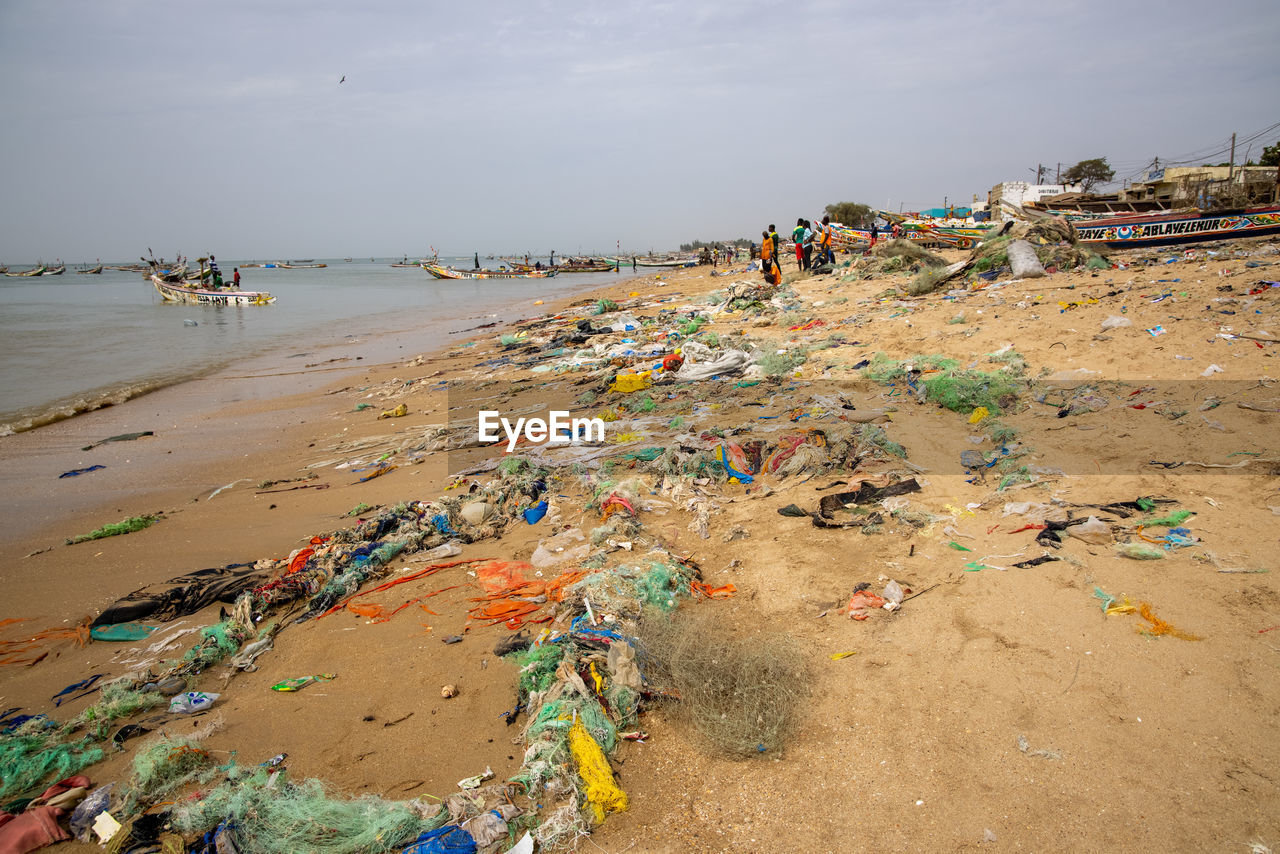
300,682
77,472
474,782
127,526
191,701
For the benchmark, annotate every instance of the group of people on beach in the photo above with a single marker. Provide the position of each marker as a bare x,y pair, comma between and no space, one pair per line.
804,235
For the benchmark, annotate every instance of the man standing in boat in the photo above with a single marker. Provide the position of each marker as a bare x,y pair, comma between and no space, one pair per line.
235,277
215,275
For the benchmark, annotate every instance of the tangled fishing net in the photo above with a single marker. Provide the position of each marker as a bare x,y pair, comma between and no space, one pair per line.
741,693
286,817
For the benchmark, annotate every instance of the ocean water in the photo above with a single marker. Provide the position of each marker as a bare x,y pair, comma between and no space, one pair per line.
74,343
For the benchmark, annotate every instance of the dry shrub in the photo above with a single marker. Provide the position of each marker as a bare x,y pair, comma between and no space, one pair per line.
740,691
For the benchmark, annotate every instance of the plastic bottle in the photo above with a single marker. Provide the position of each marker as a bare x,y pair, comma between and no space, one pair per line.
449,549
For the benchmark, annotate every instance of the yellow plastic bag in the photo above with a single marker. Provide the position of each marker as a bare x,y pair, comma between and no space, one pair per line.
627,383
979,415
398,412
602,792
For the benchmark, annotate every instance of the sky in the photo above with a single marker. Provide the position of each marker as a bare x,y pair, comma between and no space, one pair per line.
512,127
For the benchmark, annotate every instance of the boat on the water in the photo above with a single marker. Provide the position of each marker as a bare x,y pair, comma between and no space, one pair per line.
91,271
56,271
34,271
296,266
1172,228
174,292
441,272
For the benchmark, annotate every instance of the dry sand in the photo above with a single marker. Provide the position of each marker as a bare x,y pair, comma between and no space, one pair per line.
913,743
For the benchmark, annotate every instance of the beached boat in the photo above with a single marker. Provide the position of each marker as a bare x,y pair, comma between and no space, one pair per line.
666,262
449,273
173,292
1169,229
91,271
34,271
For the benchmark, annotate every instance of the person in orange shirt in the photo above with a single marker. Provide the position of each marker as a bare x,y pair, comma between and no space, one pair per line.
825,253
769,259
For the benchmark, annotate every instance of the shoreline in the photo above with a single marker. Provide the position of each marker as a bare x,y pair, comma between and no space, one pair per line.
934,696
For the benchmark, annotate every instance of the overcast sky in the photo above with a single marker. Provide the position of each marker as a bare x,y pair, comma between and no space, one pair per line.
529,126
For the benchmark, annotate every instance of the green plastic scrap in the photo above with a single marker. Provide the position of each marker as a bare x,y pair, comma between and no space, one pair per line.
953,544
1139,551
1106,598
127,526
1173,520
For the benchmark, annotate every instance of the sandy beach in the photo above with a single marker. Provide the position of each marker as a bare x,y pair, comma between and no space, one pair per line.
1000,707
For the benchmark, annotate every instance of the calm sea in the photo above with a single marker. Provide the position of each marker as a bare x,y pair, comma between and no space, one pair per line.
73,343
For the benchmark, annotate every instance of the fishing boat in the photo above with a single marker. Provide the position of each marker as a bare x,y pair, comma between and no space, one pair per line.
56,271
34,271
173,292
1169,229
92,271
449,273
296,266
666,262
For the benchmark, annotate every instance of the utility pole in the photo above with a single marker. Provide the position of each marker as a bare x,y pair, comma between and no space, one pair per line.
1058,179
1231,170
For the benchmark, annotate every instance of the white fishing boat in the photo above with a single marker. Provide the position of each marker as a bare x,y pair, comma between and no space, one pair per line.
174,292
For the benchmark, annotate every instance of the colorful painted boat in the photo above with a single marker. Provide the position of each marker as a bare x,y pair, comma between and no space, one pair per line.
284,266
34,271
172,292
56,271
449,273
1169,229
92,271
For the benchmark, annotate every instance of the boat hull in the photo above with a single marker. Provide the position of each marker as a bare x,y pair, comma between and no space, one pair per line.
203,296
449,273
1132,232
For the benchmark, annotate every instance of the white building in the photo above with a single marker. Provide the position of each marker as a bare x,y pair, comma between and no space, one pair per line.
1020,192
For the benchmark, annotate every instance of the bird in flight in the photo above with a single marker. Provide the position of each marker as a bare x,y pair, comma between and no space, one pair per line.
343,80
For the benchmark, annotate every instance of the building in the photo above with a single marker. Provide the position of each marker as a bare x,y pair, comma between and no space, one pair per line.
1017,193
1201,185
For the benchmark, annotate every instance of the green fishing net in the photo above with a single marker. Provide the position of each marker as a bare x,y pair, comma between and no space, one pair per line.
285,817
34,753
127,526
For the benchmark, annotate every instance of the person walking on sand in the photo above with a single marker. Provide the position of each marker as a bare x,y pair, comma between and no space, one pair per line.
777,244
875,232
797,237
769,258
825,254
808,244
